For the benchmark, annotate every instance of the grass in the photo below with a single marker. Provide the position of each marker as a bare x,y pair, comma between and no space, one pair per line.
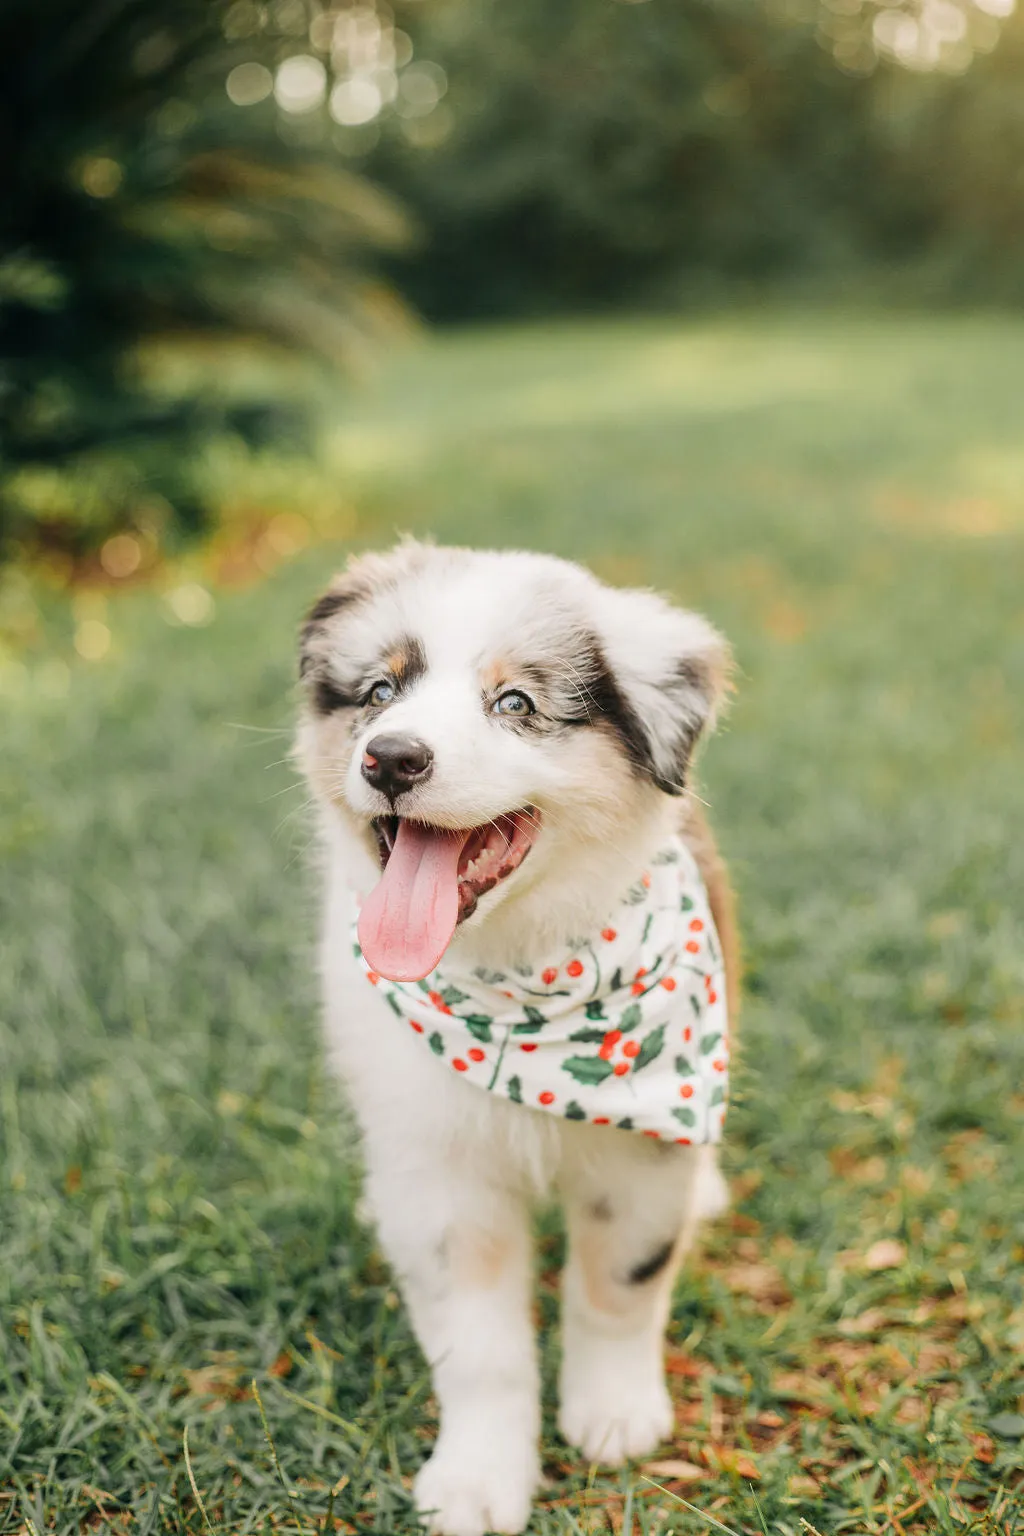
178,1189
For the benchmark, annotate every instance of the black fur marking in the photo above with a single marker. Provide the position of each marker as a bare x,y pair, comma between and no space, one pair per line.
323,609
605,700
328,696
652,1266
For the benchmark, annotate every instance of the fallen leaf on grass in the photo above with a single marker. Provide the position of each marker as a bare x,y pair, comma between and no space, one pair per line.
984,1448
802,1487
282,1365
799,1387
726,1458
870,1321
761,1281
678,1363
678,1471
217,1383
887,1253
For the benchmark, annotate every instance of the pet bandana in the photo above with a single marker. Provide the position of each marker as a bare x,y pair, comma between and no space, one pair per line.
626,1028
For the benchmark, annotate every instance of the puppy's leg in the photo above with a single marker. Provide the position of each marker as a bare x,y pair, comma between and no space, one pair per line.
631,1210
460,1245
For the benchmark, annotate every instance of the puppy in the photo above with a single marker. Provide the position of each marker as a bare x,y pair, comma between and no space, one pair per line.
527,949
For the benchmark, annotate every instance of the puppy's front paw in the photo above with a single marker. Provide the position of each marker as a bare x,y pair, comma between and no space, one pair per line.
613,1409
474,1483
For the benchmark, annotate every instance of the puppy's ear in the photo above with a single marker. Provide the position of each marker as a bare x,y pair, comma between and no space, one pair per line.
669,674
347,589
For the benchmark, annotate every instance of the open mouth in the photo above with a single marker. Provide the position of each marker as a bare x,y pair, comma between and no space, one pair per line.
431,880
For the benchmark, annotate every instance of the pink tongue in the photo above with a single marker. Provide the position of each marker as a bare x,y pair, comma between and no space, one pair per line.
408,919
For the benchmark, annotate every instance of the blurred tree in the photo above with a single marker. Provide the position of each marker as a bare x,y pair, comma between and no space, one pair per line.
599,151
585,150
136,201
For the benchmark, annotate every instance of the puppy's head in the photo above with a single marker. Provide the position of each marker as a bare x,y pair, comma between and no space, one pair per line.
492,725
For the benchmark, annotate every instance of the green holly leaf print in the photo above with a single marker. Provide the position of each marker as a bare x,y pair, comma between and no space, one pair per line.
356,950
587,1069
686,905
424,986
625,1125
452,997
436,1044
534,1020
708,1044
630,1018
515,1090
718,1097
616,981
695,1005
651,1048
574,1111
489,978
479,1026
647,929
685,1116
587,1036
393,1004
635,895
666,856
684,1066
595,1009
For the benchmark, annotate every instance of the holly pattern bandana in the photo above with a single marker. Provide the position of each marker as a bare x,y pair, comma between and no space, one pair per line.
626,1028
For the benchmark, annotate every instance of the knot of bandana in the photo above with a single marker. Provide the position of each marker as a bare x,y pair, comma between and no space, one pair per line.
625,1028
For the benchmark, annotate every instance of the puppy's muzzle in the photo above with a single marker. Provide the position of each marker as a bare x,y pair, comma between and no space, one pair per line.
394,764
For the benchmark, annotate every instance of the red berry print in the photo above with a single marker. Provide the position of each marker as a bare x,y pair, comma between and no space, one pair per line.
631,1048
548,976
460,1065
712,997
574,968
528,1045
601,1120
719,1065
696,926
612,1037
640,973
417,1027
645,881
606,1051
439,1002
372,978
669,983
547,1097
692,947
656,1135
687,1034
476,1054
508,994
686,1091
683,1141
609,935
621,1068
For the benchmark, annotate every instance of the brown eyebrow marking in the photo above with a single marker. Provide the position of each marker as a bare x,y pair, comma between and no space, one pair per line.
495,675
406,661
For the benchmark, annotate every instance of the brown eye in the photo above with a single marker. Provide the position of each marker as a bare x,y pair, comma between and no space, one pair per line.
513,703
381,693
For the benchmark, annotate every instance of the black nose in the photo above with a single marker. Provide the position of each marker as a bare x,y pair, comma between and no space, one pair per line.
394,764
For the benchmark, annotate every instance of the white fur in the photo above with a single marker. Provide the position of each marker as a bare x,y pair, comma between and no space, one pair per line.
453,1172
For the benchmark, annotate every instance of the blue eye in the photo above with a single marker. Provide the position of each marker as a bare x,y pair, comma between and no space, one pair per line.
381,693
513,703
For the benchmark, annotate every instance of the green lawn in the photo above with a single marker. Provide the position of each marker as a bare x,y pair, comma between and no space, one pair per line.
178,1217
